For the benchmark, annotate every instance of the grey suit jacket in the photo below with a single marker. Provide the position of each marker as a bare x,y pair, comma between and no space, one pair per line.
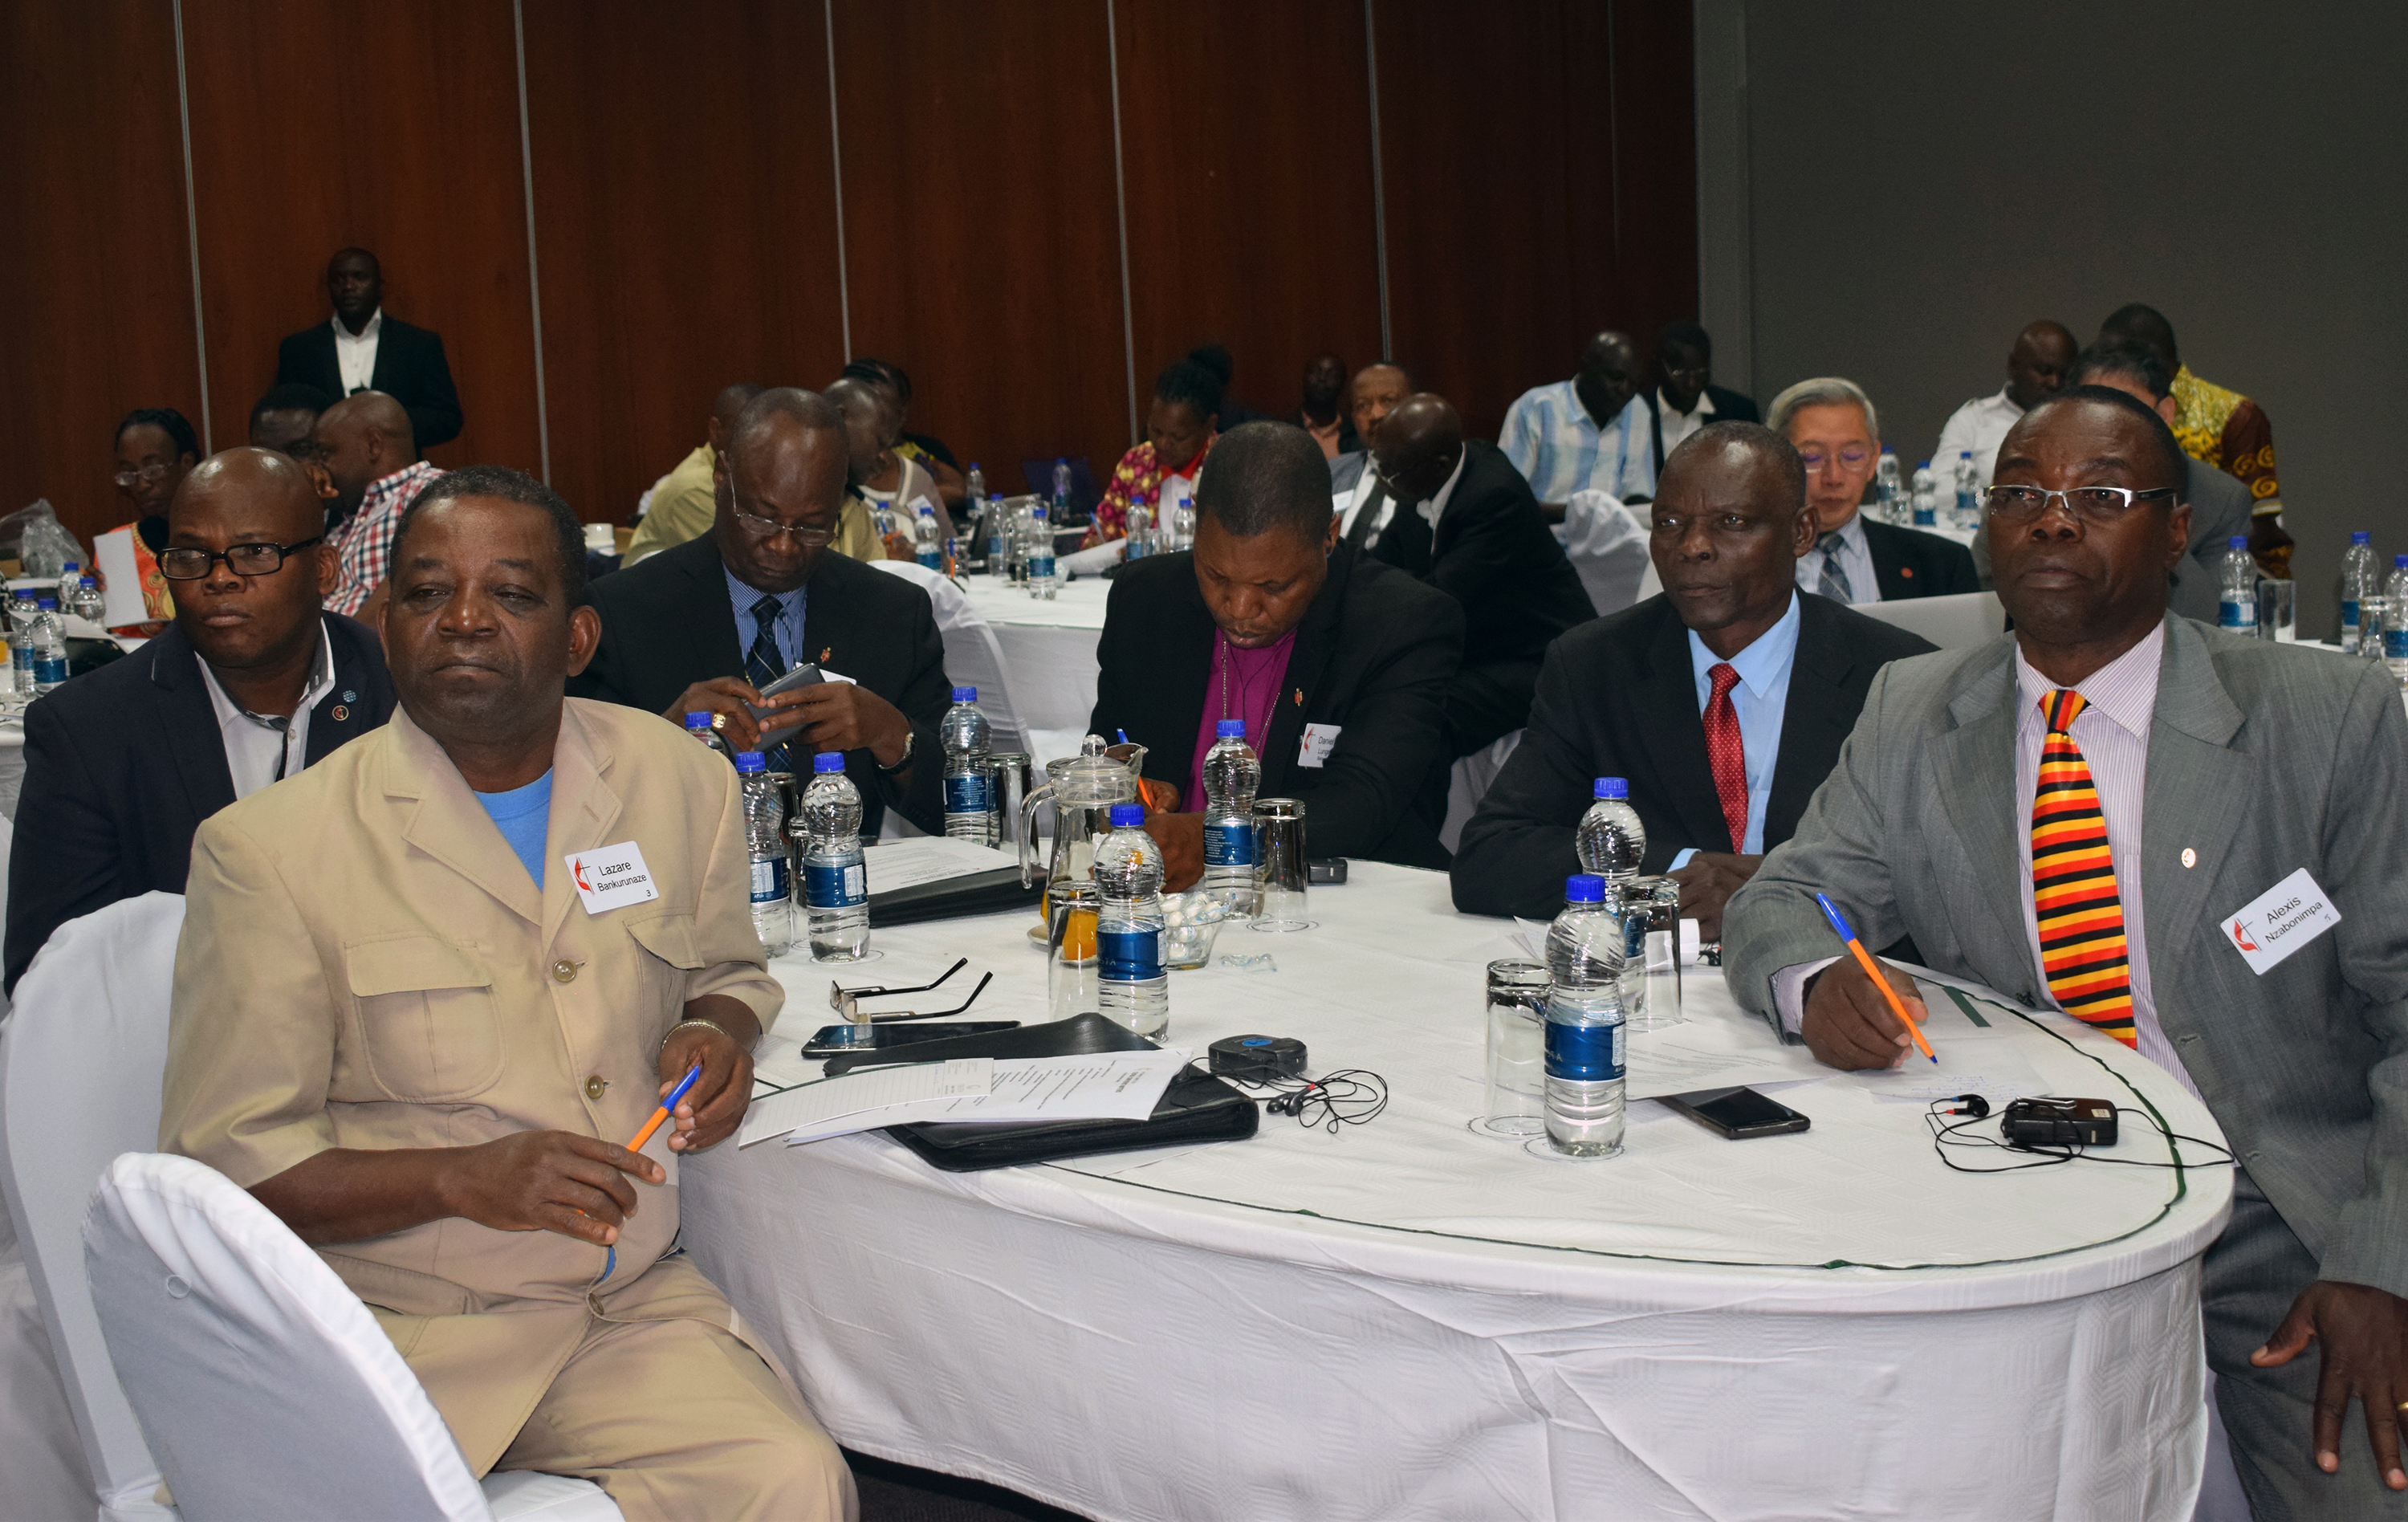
2263,758
2219,507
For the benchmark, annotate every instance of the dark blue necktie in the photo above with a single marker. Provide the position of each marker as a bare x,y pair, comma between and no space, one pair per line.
764,664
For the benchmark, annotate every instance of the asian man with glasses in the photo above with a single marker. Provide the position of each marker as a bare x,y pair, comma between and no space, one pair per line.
1853,559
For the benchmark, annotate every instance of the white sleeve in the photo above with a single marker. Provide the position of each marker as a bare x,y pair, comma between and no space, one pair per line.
1789,993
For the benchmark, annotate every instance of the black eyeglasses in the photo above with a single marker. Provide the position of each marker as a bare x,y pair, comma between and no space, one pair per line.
2097,506
242,559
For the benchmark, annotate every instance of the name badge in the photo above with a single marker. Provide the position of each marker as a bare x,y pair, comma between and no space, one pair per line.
612,878
1319,740
2280,921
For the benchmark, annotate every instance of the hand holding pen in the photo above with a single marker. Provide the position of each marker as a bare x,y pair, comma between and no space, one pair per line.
1860,1013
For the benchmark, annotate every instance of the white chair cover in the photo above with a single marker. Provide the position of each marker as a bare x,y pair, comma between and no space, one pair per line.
973,658
1952,622
1468,784
79,1064
1607,545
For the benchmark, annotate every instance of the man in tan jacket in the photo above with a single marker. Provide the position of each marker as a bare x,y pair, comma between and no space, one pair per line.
427,986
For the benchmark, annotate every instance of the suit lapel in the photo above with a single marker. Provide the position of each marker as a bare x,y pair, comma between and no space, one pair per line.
1815,718
584,809
1316,640
1976,768
444,819
380,374
189,724
1885,549
1665,700
2191,758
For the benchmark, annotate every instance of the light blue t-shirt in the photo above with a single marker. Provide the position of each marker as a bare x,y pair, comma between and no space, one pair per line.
520,815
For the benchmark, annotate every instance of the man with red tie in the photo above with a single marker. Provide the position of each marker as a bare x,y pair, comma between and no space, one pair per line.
1722,703
2188,841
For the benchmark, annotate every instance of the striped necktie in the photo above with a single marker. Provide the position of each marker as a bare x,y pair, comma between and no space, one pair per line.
1835,575
764,664
2082,949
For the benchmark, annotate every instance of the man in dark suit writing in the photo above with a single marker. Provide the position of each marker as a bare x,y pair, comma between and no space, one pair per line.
2016,807
363,349
1336,663
1455,514
705,624
251,683
1722,702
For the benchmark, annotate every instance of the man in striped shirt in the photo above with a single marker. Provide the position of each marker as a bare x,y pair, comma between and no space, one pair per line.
1588,433
366,444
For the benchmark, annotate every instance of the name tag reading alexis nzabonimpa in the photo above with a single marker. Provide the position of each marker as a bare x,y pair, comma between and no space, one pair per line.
611,877
2280,921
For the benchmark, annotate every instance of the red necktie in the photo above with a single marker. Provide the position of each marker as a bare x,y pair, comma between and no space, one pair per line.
1727,754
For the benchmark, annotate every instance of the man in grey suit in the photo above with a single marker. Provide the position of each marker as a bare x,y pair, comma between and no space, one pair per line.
2220,504
2222,766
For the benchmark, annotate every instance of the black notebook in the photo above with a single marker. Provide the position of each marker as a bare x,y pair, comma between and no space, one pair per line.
955,898
1197,1107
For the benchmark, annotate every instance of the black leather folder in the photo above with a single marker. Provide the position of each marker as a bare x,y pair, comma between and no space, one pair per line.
955,897
1197,1107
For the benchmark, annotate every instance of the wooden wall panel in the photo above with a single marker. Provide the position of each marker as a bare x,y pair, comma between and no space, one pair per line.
1514,221
685,224
95,272
981,237
322,124
1246,151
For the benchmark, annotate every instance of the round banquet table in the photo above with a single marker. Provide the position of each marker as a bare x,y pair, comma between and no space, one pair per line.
1049,648
1407,1320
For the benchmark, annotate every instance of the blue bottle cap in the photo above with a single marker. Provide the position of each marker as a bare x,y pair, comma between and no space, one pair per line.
1584,888
1038,513
1612,787
996,497
2237,541
749,762
1964,454
1229,729
698,719
823,763
974,465
1127,815
51,605
965,695
1923,464
2399,562
2360,535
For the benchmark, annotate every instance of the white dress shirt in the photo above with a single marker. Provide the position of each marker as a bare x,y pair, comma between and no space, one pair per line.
1856,558
1430,510
1675,425
261,750
1980,426
355,356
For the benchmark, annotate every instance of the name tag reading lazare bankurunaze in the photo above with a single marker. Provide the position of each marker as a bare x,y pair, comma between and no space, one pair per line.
611,877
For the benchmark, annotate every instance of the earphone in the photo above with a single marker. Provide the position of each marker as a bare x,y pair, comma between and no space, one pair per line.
1974,1105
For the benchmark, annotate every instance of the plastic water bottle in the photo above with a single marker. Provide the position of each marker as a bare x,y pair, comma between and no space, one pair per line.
2395,630
1137,530
1232,774
49,648
975,485
995,527
21,642
1181,522
835,888
1611,843
1584,1023
2236,607
1888,493
698,724
88,603
927,543
1968,489
969,786
765,836
1041,582
2358,582
1926,496
1061,487
1133,988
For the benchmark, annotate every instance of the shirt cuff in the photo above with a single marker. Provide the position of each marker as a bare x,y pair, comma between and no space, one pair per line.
1687,853
1789,993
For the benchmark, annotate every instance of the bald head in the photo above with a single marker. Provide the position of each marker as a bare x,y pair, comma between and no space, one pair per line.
873,418
251,623
1608,376
2035,365
259,488
725,410
779,409
360,440
365,409
1419,446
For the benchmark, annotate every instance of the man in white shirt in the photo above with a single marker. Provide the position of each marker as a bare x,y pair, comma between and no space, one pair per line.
1831,422
1589,432
361,349
1685,398
2036,368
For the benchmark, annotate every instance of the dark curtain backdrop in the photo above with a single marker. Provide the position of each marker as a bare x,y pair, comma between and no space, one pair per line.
646,196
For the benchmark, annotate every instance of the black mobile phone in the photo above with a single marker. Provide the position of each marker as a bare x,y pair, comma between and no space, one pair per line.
1330,869
832,1040
1738,1114
805,675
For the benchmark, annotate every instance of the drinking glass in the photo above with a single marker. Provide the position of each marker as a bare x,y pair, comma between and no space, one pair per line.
1074,976
1278,865
1651,918
2277,608
1516,1011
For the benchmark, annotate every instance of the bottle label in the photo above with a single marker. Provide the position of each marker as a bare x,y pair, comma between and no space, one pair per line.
2236,615
1041,564
49,670
2394,644
969,793
1585,1054
833,886
768,879
1128,955
1228,845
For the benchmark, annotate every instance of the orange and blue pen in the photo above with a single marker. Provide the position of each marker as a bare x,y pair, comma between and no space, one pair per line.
1865,960
610,1255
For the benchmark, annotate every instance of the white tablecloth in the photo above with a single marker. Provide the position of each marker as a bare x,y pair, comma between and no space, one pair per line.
1049,650
1405,1320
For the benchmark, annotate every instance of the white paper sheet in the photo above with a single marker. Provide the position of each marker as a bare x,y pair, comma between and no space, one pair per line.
1113,1085
120,600
930,859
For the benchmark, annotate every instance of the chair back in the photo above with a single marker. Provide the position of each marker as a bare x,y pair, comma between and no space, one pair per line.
265,1386
973,655
1952,622
1468,783
1607,543
80,1061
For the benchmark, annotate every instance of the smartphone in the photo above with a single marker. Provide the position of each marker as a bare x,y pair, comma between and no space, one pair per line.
805,675
1738,1114
832,1040
1328,870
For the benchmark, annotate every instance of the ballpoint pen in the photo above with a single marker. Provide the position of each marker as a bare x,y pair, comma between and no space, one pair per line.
1865,960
